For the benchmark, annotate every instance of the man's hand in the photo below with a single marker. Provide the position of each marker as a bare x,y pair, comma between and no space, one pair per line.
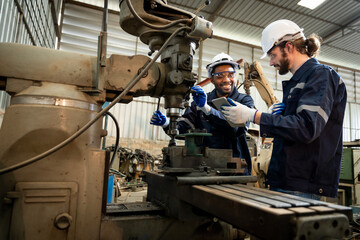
159,119
199,96
276,108
238,113
200,99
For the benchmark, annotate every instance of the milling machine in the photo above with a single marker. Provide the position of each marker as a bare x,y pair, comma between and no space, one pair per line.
53,174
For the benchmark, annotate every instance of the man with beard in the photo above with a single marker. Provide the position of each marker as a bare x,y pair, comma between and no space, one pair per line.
203,115
307,136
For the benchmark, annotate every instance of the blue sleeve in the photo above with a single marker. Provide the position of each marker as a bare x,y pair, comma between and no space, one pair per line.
309,114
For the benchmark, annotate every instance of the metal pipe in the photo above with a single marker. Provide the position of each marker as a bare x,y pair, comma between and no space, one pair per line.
215,180
105,16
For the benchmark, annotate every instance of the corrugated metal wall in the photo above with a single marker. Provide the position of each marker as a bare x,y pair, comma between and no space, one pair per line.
82,26
27,22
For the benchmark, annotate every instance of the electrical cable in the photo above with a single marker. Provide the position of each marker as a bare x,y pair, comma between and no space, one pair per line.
132,10
116,172
117,137
130,85
240,86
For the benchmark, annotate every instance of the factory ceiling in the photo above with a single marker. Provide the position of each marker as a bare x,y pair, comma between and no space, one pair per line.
336,21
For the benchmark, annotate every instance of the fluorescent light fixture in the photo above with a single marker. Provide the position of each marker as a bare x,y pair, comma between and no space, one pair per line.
312,4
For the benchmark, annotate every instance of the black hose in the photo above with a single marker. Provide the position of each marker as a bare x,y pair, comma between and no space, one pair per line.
117,137
130,85
114,171
132,10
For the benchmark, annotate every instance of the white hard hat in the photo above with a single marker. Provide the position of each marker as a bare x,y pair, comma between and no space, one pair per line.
221,58
279,31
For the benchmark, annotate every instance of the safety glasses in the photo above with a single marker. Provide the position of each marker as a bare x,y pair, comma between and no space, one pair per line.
228,74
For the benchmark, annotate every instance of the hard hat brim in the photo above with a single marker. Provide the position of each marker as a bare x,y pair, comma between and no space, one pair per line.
211,66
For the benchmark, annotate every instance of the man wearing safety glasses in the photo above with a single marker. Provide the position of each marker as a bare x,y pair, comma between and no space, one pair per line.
307,136
203,115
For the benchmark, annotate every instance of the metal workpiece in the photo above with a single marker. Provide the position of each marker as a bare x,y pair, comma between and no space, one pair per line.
262,213
173,114
193,142
194,159
172,129
204,162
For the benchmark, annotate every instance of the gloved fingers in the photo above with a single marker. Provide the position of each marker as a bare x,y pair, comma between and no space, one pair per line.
225,109
278,106
199,96
232,102
154,122
198,89
226,113
155,116
277,109
159,113
276,112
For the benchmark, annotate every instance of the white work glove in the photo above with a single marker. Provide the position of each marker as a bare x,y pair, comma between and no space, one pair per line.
276,108
238,113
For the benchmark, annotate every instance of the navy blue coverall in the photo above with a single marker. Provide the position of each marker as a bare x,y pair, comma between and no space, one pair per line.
308,136
223,135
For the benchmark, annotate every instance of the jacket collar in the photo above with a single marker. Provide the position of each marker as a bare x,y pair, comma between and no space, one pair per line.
304,68
212,95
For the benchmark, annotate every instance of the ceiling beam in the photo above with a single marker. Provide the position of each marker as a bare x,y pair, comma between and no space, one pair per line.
342,28
343,49
297,12
220,5
337,38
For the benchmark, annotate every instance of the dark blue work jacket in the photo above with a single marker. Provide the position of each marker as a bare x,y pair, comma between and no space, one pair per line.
308,136
223,135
